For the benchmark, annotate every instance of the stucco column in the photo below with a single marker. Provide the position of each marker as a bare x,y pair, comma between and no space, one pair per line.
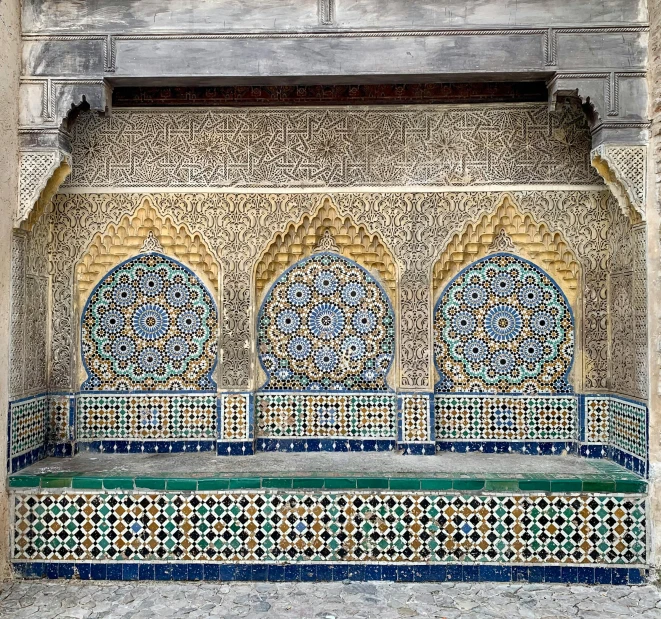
654,280
9,73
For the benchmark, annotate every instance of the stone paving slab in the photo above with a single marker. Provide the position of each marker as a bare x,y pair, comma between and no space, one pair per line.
382,600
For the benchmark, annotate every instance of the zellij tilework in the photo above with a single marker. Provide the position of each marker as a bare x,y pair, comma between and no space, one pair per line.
150,324
503,326
326,325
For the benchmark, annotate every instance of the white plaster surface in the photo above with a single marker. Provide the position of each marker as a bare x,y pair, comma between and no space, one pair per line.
336,600
9,70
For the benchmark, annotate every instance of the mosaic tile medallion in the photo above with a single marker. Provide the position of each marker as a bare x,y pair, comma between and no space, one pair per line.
503,326
326,324
329,526
150,324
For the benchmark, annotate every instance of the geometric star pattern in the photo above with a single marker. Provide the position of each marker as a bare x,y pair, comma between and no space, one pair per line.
503,326
150,324
343,526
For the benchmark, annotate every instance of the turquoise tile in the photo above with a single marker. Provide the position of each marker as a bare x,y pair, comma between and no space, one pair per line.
189,485
374,483
277,482
24,481
436,484
210,484
566,485
151,483
308,482
337,483
535,485
502,485
404,484
630,485
468,484
245,483
87,483
56,482
590,485
118,483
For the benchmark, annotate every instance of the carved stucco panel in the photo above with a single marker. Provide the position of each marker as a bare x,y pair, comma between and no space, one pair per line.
415,227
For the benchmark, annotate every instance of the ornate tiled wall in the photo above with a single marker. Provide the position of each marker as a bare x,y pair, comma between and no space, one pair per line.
381,527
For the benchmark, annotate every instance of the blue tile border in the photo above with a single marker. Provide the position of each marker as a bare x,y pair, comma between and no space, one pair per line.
314,572
417,449
16,463
151,446
325,444
235,448
531,448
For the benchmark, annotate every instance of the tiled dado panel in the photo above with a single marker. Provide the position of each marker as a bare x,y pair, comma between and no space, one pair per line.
146,416
326,415
28,421
329,526
507,418
617,428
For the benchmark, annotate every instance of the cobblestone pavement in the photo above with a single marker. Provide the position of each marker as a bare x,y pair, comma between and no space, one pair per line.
382,600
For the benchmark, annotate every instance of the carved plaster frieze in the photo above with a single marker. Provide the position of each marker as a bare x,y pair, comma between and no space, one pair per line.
624,170
40,175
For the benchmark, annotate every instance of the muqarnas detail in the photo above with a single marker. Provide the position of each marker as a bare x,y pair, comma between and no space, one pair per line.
326,324
503,326
150,324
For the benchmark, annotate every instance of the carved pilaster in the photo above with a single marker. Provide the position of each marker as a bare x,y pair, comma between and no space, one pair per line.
624,170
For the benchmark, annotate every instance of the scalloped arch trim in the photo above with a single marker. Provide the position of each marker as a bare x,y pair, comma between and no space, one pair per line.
300,239
127,238
531,239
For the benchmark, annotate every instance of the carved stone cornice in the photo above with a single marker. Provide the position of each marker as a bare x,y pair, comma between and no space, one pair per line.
624,168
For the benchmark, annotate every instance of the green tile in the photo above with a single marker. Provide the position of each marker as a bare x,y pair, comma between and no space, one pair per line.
151,483
245,483
374,483
277,482
308,482
566,485
181,484
502,485
468,484
404,484
118,483
535,485
590,485
435,484
335,483
213,484
56,482
87,483
24,481
630,485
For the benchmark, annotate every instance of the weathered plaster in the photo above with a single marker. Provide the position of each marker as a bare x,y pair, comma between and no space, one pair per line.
9,73
654,278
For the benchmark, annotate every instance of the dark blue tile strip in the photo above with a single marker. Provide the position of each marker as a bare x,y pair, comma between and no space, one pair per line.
534,448
294,572
417,449
235,448
135,447
324,444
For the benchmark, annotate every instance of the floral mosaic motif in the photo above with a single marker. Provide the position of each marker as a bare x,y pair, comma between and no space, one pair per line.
322,526
326,325
150,324
503,326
